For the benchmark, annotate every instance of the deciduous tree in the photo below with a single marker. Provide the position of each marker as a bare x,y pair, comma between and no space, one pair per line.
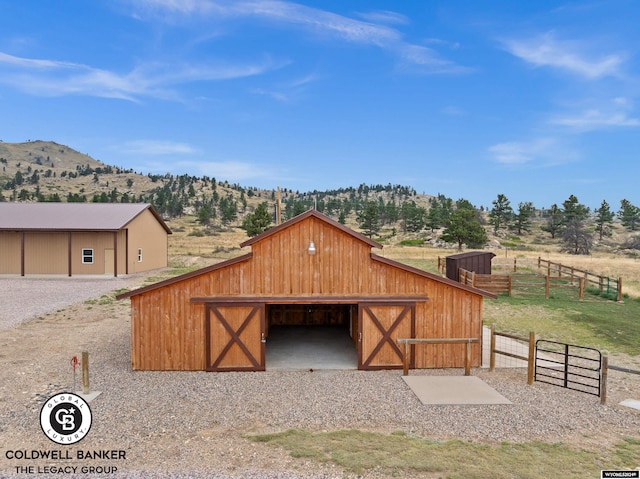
576,239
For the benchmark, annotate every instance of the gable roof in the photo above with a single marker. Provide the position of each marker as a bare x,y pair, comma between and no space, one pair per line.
304,216
72,216
470,254
182,277
293,221
435,277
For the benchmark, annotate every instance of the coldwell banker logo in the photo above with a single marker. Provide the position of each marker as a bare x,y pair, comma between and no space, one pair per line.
65,418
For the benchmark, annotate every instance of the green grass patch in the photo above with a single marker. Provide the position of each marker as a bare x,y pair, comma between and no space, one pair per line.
412,242
102,300
595,322
360,451
425,265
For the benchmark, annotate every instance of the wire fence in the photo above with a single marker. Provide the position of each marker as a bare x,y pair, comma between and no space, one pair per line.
532,277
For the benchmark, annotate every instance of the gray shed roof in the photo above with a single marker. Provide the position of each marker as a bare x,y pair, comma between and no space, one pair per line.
72,216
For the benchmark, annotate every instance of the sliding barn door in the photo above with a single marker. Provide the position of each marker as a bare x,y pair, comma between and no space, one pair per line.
379,326
235,337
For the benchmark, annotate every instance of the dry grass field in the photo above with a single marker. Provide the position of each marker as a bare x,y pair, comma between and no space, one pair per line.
204,248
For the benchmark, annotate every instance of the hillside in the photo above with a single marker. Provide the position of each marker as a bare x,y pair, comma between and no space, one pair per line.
48,171
200,207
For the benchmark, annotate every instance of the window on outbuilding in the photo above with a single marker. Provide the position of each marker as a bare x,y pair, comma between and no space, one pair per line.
139,255
87,255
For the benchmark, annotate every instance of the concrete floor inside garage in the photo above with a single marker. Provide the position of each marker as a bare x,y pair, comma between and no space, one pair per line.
310,347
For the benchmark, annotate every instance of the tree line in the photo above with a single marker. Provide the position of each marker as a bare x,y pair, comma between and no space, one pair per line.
376,208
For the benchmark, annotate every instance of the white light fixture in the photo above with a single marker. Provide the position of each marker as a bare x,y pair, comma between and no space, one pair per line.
312,248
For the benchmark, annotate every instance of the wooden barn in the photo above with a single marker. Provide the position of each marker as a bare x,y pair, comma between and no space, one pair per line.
308,271
81,238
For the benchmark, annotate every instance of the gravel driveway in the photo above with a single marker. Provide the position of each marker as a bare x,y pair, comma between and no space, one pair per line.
182,424
29,297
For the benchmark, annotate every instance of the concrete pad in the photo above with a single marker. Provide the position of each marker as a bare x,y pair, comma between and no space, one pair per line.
453,390
89,397
313,347
632,403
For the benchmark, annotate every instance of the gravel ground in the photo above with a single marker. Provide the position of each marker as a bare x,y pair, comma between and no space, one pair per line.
27,298
194,424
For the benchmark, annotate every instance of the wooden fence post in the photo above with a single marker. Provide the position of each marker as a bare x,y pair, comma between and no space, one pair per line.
85,372
405,359
603,379
546,287
467,359
509,284
515,265
473,279
492,348
619,289
581,289
532,357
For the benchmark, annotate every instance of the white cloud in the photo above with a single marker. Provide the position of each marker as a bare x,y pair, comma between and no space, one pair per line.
571,56
616,113
541,151
58,78
230,170
384,16
374,31
156,147
288,91
596,119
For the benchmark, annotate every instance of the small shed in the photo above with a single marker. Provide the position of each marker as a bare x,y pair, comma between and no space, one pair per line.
310,271
473,261
81,238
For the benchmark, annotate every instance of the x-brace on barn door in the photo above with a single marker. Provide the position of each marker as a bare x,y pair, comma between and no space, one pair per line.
379,326
235,336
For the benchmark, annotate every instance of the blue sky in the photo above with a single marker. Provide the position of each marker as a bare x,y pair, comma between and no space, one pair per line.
536,100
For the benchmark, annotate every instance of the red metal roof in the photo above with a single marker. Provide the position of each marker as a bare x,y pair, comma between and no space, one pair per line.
71,216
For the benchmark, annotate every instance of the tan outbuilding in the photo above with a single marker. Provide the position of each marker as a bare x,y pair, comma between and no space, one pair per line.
81,238
308,271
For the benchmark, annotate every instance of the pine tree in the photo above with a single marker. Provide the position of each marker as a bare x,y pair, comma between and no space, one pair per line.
522,221
629,215
573,210
369,218
258,221
554,221
604,219
501,213
464,227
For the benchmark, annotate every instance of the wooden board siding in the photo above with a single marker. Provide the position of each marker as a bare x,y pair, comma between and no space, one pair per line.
168,329
234,336
382,326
